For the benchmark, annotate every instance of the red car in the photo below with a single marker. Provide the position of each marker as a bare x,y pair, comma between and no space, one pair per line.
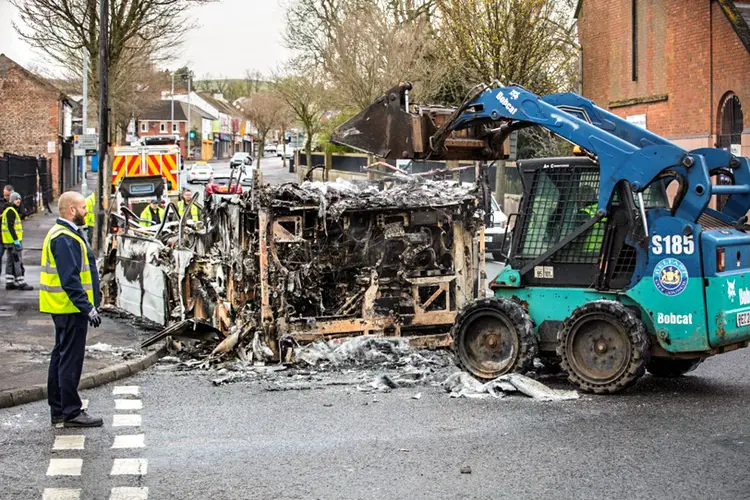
220,185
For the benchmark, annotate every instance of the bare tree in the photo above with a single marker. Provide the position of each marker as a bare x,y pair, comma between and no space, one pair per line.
528,42
365,47
141,34
266,111
253,81
305,95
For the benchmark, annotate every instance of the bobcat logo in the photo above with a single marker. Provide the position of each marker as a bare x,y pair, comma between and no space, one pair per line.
731,293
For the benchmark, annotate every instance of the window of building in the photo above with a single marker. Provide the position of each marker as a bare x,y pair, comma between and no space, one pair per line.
162,127
175,127
144,126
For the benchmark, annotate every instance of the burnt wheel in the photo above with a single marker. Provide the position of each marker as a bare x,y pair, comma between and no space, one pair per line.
492,337
603,347
672,368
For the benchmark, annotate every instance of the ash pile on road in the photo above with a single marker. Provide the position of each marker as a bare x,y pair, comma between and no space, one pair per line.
371,364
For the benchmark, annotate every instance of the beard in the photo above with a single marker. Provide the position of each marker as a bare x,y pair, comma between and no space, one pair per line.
78,220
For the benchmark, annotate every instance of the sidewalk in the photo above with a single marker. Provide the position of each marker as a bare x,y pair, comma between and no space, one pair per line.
27,337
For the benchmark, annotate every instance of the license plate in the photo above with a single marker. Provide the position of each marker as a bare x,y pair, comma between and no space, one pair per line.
743,319
488,239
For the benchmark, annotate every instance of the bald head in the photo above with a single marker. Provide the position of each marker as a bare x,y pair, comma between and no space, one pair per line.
72,207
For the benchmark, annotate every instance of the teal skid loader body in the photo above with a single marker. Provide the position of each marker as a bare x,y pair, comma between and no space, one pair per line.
634,256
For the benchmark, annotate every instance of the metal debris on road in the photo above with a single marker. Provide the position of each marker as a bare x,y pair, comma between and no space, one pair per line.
463,385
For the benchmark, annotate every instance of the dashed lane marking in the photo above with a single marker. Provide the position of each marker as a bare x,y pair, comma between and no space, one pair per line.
125,390
126,421
65,467
132,441
129,494
129,467
128,404
61,494
69,442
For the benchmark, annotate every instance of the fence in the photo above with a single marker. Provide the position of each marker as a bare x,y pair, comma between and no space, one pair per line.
23,173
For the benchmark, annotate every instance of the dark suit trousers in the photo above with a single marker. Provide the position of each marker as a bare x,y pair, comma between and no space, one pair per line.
66,364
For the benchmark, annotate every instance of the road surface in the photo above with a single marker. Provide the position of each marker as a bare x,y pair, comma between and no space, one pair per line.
669,439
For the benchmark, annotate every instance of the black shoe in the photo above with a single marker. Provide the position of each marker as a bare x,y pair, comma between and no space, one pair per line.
24,286
56,420
11,286
83,419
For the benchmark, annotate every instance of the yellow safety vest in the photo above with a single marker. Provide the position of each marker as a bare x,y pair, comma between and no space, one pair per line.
181,209
17,227
90,206
146,214
594,236
52,298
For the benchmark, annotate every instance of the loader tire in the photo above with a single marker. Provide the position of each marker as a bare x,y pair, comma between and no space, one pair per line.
671,368
603,347
492,337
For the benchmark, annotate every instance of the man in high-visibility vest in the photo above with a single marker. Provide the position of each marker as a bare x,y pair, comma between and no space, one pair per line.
90,218
153,213
69,291
185,199
12,233
4,203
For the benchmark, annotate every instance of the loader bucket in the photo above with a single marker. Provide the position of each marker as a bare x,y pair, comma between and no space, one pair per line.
383,128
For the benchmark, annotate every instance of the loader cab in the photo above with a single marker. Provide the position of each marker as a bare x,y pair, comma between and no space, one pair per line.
560,195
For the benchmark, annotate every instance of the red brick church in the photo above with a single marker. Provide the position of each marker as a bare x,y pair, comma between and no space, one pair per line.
679,67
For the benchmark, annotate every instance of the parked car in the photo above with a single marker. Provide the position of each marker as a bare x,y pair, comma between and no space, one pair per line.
269,150
200,172
239,159
495,240
220,186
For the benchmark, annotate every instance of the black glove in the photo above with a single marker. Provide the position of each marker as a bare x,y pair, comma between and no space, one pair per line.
94,319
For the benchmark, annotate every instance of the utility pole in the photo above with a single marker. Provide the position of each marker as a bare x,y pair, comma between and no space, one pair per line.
189,124
103,117
171,98
85,124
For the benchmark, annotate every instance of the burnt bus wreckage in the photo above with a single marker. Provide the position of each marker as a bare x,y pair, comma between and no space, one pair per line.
289,264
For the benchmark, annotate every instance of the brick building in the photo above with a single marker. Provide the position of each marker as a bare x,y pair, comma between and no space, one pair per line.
681,67
36,120
157,120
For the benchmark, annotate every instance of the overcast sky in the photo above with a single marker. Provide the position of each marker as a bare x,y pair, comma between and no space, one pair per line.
234,35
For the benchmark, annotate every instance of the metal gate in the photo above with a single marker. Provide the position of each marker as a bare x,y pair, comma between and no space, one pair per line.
21,173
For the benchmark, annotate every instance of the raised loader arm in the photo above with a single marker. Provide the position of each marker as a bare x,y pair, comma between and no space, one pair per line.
477,129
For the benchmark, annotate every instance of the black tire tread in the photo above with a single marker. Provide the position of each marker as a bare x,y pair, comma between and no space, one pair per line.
521,321
640,341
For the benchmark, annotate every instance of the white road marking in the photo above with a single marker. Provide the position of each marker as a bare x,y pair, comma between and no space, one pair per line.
132,441
130,467
126,420
129,494
84,404
69,442
61,494
125,390
128,404
65,467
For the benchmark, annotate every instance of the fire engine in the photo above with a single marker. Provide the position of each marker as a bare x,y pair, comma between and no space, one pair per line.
147,169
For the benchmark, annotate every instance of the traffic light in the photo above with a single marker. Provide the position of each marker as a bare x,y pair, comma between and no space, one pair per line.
192,134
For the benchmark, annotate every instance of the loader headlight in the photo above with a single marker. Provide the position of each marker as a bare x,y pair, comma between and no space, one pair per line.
721,261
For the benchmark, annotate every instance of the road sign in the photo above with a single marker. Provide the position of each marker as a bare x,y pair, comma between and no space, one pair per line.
86,145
